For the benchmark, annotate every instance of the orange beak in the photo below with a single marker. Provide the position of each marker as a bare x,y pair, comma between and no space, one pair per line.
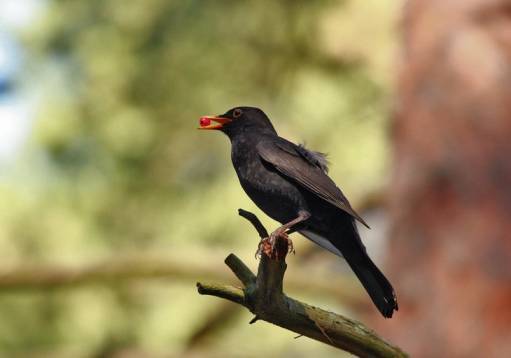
205,122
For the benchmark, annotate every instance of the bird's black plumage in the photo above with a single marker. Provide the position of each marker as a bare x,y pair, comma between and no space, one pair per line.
290,183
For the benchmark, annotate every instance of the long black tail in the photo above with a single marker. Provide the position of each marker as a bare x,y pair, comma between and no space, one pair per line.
376,284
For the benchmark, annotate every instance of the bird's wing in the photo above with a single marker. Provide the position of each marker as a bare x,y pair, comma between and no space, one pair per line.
284,157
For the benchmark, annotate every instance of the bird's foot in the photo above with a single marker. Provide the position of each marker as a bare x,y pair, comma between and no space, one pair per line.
276,246
290,246
261,247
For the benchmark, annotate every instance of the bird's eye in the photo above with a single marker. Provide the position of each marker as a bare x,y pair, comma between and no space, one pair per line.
237,113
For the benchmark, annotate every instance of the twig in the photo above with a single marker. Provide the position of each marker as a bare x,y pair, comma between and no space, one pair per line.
261,230
264,297
230,293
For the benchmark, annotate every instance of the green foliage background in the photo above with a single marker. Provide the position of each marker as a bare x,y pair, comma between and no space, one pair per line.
115,166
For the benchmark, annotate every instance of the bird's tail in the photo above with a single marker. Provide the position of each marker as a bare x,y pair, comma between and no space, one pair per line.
376,284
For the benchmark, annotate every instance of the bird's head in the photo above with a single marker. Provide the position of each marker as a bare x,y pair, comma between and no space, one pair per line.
239,120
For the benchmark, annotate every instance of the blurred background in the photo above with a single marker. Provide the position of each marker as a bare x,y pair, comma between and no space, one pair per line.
113,205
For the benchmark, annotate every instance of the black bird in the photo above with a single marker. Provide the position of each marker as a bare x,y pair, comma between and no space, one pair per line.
290,184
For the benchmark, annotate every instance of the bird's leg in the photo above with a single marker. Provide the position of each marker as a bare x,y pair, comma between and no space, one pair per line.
270,245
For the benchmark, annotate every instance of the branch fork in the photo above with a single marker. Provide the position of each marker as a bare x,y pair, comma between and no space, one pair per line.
263,296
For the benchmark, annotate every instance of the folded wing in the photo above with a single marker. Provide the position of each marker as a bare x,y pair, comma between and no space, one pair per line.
289,160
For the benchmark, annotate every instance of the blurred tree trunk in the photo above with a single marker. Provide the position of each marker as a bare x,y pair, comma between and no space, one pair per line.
450,198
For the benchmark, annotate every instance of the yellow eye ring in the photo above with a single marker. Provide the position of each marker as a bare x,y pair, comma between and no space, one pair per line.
237,113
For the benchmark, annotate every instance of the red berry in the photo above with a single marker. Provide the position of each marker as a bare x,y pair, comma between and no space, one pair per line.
205,121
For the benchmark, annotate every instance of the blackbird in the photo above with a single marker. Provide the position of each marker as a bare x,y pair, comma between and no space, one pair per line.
290,184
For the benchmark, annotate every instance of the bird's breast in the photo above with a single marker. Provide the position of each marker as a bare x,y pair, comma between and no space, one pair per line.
273,194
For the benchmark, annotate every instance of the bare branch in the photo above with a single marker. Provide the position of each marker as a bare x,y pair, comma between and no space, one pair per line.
230,293
241,270
264,297
254,220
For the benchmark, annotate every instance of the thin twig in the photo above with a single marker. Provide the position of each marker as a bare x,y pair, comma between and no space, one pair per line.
241,270
228,292
254,220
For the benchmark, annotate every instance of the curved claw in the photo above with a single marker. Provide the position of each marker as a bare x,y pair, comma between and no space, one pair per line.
273,246
260,248
290,247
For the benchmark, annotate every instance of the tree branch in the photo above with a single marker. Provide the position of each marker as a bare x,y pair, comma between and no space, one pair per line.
263,295
228,292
